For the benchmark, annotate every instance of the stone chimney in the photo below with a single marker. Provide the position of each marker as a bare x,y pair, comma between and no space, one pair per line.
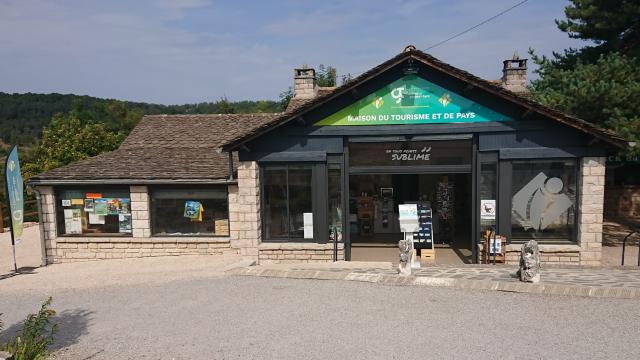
514,74
304,83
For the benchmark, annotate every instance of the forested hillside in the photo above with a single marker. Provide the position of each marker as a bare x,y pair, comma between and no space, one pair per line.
23,116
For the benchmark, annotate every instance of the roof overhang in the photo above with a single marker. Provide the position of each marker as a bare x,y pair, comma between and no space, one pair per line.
53,182
527,104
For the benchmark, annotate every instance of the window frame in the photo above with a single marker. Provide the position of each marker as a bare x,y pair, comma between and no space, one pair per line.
152,219
319,204
506,194
59,221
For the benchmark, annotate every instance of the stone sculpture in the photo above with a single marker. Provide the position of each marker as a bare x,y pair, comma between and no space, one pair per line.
404,267
529,262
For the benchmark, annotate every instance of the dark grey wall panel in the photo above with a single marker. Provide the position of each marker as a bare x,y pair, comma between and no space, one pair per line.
288,156
278,143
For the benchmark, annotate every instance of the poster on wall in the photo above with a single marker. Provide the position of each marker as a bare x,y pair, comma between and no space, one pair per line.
93,195
72,221
100,206
88,205
125,206
308,225
124,223
66,202
193,210
113,206
487,209
96,219
77,202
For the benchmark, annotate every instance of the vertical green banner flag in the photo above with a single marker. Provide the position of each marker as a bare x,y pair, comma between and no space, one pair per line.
15,193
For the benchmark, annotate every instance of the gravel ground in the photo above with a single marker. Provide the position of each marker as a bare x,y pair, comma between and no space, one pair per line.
264,318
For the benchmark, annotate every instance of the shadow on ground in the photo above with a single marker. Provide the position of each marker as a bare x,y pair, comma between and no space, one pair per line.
25,270
72,324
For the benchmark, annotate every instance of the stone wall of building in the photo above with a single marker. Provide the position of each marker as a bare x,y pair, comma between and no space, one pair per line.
591,210
48,210
140,244
298,252
244,211
549,254
84,249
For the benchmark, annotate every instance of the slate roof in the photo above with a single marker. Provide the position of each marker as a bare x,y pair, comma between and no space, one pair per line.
410,52
163,148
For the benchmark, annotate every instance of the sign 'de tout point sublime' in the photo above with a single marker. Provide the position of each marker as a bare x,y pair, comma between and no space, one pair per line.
412,100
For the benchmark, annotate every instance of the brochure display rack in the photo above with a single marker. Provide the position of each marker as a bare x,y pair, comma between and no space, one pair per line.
423,238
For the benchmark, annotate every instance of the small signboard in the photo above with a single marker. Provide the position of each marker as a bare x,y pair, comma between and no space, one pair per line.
408,217
487,209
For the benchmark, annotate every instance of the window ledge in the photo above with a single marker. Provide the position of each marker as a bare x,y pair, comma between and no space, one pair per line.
298,246
547,248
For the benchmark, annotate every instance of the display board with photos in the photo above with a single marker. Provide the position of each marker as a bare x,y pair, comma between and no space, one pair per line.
92,212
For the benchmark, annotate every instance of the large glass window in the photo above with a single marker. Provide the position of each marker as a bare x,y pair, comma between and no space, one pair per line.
488,192
335,215
287,202
190,211
87,212
544,200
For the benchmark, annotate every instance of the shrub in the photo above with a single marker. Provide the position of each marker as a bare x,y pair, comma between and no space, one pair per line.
37,334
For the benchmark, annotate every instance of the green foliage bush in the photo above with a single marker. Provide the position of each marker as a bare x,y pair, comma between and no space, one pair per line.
36,336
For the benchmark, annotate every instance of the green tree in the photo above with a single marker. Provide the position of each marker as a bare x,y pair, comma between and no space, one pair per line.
612,25
285,97
225,107
599,83
606,93
68,139
326,76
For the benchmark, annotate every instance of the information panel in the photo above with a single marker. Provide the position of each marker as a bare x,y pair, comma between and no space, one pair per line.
412,100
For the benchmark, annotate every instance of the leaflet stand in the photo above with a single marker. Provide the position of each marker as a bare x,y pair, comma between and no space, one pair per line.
408,216
423,237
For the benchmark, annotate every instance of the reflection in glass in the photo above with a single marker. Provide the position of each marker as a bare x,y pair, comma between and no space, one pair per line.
335,202
287,195
543,202
488,191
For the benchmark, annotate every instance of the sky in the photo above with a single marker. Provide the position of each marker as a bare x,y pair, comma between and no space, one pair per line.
186,51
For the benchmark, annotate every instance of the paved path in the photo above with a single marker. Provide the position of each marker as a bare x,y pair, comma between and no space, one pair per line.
584,281
203,315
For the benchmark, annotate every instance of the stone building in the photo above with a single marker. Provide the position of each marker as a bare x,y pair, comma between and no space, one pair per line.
323,180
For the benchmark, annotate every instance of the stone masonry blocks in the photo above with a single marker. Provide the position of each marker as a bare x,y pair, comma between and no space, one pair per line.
244,210
590,216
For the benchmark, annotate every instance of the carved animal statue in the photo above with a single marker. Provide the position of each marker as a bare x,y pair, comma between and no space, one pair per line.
404,267
529,262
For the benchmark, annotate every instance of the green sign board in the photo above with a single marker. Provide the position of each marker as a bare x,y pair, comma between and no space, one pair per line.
15,192
412,100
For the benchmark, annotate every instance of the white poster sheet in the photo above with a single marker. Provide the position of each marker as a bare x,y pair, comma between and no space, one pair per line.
72,221
487,209
95,219
308,225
